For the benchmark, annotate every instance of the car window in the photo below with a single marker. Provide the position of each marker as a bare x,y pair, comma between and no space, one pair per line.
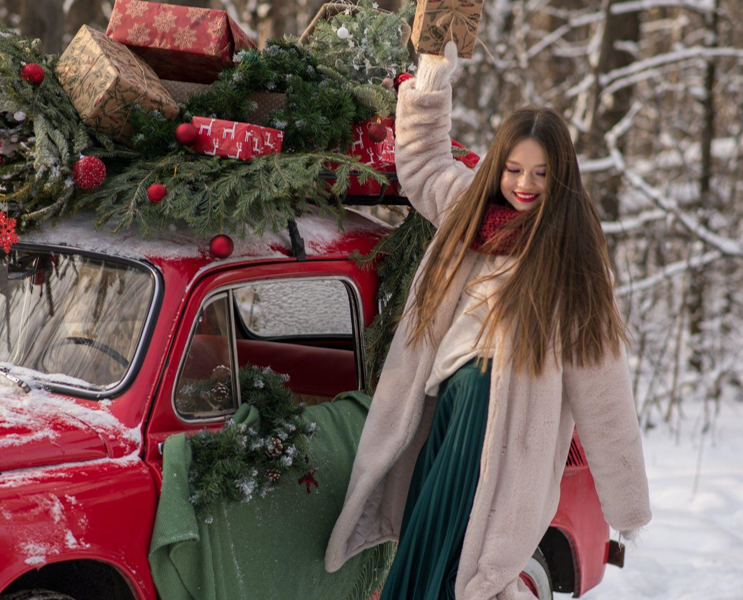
206,383
295,307
306,328
72,319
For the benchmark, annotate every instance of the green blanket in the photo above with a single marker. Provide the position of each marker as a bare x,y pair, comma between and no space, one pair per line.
270,548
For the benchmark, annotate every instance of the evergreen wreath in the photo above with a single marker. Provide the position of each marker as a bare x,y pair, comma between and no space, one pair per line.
240,461
371,47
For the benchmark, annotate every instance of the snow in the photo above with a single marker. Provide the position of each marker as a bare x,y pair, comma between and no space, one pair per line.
35,475
179,241
693,547
39,410
23,373
44,528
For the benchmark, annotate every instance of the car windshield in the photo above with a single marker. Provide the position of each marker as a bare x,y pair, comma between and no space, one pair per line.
69,318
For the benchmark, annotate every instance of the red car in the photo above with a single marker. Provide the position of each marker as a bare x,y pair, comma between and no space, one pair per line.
100,335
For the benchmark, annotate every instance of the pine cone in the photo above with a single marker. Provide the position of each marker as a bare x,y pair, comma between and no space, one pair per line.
220,392
221,374
273,474
275,447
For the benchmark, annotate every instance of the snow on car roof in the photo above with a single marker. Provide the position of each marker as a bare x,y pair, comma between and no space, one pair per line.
320,233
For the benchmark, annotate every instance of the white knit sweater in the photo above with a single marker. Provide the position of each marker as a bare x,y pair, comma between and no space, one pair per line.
459,343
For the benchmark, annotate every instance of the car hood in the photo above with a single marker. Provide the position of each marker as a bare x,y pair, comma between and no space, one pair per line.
43,429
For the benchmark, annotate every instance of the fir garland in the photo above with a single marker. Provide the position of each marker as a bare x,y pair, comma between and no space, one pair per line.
41,136
214,194
240,461
397,257
321,104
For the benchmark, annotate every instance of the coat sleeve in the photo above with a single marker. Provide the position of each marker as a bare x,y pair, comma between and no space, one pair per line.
426,169
602,404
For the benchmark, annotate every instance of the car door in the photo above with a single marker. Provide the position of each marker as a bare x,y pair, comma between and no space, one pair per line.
305,320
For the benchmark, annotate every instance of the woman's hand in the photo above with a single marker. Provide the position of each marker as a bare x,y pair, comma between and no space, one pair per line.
434,71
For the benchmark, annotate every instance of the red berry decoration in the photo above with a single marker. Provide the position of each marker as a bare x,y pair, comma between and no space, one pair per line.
156,192
400,78
186,134
377,132
221,246
309,480
33,73
89,173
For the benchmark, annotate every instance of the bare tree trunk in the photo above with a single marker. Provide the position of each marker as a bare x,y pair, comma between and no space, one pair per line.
44,19
605,112
706,199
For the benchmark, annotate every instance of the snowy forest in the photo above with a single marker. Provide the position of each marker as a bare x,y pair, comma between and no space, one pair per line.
653,93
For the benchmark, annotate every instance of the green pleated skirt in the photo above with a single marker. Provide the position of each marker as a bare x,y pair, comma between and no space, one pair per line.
442,490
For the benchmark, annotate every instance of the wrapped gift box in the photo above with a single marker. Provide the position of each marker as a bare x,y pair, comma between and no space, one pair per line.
380,155
180,43
103,79
182,90
231,139
267,103
466,155
439,21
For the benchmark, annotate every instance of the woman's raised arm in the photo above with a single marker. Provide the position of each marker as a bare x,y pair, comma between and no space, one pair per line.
426,169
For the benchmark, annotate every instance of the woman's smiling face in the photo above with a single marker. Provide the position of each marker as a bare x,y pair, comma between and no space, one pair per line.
524,174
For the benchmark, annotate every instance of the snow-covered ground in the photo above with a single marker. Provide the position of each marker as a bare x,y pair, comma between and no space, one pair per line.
693,547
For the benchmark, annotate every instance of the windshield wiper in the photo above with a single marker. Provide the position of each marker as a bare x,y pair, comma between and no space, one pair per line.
4,372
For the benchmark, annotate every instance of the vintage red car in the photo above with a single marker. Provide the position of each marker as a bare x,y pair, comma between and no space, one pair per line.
97,333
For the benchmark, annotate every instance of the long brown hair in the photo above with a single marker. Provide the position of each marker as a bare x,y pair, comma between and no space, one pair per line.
562,279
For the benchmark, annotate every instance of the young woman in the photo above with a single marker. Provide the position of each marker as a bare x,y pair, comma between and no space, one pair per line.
510,337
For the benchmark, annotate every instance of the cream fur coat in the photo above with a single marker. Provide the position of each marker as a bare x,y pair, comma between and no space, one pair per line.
530,420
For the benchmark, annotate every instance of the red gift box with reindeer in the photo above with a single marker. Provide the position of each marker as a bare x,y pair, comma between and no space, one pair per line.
374,144
232,139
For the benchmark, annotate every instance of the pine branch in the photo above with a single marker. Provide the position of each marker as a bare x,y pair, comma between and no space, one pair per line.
397,256
216,194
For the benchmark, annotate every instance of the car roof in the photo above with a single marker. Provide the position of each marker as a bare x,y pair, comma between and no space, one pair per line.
321,235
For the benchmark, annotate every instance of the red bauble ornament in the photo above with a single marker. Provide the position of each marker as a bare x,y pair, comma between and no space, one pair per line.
221,246
377,132
186,134
8,235
400,78
156,192
89,173
33,73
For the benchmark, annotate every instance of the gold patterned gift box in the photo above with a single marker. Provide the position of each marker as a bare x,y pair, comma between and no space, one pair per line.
104,79
439,21
180,43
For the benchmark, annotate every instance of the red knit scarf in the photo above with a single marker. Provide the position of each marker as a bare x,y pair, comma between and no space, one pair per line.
495,217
